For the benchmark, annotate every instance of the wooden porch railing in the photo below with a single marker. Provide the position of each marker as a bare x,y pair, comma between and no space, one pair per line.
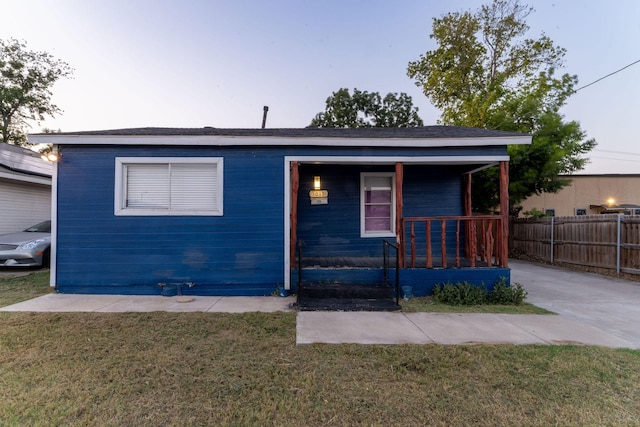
478,236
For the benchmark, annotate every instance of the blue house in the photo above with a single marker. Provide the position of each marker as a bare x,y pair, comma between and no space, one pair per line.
249,211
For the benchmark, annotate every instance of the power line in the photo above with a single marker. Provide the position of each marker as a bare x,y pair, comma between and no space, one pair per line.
608,75
612,158
627,153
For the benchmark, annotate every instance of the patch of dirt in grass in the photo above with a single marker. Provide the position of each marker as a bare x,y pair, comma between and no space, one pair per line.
150,369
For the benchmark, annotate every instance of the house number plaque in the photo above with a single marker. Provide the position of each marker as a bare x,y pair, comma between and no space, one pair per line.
319,197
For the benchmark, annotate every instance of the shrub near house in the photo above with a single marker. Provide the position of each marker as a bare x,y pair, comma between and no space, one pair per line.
464,293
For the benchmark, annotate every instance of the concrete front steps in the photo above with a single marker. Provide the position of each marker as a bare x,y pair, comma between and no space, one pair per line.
346,297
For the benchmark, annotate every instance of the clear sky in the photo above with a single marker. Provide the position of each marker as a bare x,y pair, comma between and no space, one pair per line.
216,63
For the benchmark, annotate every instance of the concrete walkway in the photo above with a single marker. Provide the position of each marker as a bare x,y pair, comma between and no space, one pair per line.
141,303
592,310
448,329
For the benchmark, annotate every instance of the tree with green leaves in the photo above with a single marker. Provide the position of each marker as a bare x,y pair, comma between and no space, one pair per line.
367,109
486,73
26,79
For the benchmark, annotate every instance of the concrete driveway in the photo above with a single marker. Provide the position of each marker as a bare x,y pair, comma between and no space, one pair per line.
611,305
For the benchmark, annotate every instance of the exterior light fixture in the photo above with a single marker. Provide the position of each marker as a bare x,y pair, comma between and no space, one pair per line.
317,195
51,157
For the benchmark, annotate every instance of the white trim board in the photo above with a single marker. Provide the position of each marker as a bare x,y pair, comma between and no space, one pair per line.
53,260
391,232
220,140
26,178
391,160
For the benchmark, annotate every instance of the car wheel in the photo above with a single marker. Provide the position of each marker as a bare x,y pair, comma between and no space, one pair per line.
46,258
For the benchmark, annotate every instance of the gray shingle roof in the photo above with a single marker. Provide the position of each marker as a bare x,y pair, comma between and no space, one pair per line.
310,132
22,160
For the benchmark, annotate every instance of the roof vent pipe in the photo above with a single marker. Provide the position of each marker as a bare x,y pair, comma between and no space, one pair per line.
264,116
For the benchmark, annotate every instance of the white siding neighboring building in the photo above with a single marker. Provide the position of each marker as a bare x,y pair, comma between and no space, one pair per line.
25,188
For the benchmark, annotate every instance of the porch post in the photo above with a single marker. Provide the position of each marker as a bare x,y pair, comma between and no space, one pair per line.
399,228
467,212
504,212
295,184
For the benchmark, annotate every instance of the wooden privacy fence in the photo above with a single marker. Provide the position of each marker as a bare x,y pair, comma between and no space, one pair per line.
600,241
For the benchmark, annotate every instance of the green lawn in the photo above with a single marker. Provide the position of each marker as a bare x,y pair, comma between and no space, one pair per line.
17,289
152,369
427,304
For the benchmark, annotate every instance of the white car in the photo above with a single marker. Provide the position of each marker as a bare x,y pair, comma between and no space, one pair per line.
28,248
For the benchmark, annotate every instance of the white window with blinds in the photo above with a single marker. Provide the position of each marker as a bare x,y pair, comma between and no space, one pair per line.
377,204
169,186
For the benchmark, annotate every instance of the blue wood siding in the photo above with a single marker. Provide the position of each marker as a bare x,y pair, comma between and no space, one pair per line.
433,191
333,229
239,253
422,280
100,252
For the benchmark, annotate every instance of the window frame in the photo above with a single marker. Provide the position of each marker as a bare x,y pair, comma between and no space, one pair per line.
386,233
120,193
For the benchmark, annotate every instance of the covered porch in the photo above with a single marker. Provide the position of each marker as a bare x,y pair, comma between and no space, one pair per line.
448,243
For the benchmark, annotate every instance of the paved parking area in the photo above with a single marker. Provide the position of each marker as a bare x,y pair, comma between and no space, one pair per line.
606,303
